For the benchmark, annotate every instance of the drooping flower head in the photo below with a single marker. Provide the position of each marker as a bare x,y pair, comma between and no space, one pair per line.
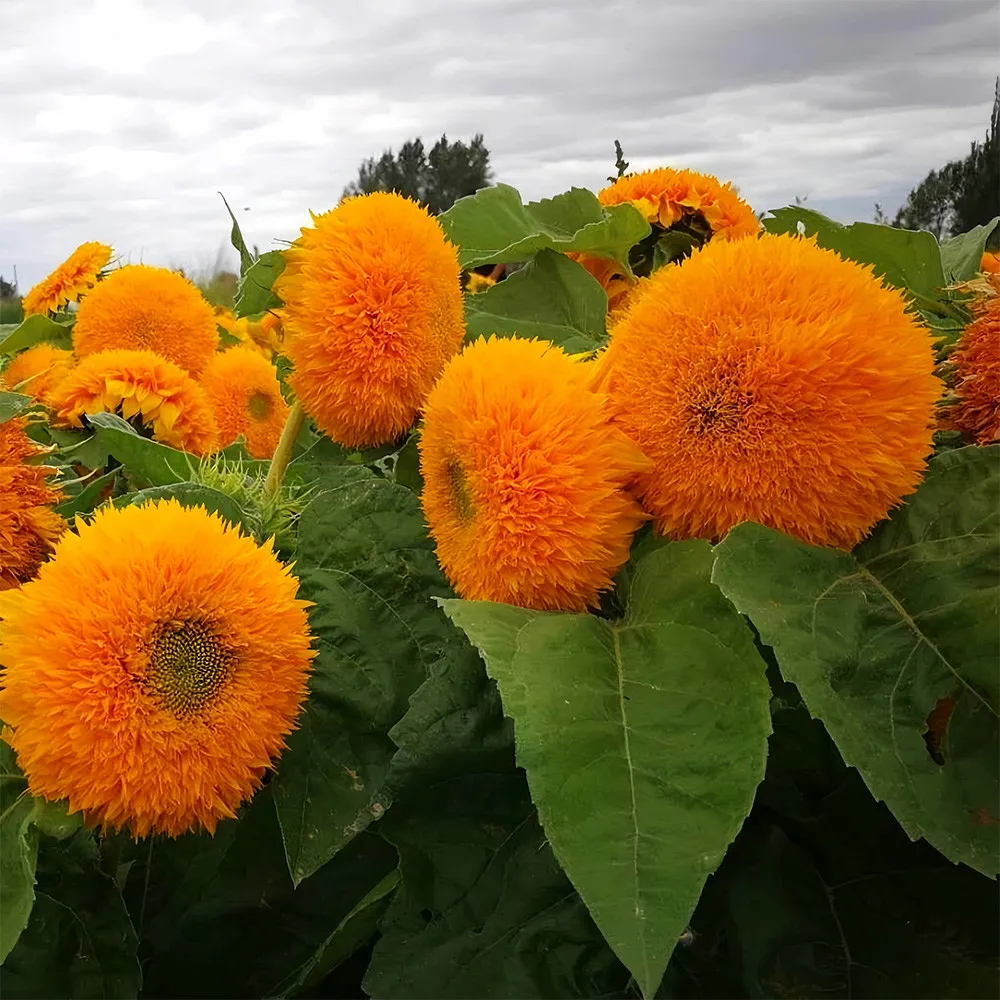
153,668
373,311
28,526
524,477
976,363
683,201
38,370
772,381
144,308
144,388
70,281
242,388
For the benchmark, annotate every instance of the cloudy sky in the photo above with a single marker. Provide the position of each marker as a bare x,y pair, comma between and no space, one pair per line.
122,119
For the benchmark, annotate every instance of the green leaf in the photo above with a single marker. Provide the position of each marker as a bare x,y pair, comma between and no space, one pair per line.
13,404
906,259
493,226
79,942
484,909
196,495
18,854
34,330
254,295
88,498
365,561
877,639
552,298
643,741
239,244
148,462
962,255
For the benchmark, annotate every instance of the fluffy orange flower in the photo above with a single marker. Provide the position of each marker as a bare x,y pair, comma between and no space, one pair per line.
28,526
772,381
668,198
157,696
72,279
523,477
144,308
243,390
262,335
373,311
977,367
990,263
38,370
144,388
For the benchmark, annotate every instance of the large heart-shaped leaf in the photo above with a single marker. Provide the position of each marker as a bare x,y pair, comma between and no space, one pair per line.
895,647
643,740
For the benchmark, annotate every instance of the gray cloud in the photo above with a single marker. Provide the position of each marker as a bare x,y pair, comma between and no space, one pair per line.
127,128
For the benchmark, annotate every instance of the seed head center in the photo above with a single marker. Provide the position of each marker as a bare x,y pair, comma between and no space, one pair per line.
188,667
260,406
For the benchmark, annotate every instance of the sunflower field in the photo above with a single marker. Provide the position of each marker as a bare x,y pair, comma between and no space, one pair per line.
591,597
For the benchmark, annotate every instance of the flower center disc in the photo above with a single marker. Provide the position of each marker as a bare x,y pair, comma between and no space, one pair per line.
460,491
188,667
259,406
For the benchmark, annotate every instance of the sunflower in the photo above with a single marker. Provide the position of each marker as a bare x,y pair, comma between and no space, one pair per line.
976,363
38,370
772,381
262,335
28,526
144,308
144,388
373,311
990,263
243,390
671,200
72,279
476,282
523,477
156,698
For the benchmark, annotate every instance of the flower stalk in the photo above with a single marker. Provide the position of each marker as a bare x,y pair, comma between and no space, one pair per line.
283,453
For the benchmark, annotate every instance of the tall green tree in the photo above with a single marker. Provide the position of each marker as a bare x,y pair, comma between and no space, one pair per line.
437,179
960,195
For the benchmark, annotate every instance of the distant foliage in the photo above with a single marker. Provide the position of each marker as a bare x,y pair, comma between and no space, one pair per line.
437,179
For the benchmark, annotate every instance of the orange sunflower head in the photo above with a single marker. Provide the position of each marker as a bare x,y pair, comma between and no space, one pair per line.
524,478
990,263
72,279
38,370
156,698
144,308
144,388
682,201
28,526
772,381
976,363
373,311
242,388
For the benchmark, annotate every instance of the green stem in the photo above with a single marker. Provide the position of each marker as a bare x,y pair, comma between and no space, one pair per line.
283,453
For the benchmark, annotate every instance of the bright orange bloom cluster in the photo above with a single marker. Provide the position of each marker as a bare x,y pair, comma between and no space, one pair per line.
38,370
990,263
772,381
243,390
143,387
71,280
264,335
155,698
28,525
977,367
144,308
373,311
524,478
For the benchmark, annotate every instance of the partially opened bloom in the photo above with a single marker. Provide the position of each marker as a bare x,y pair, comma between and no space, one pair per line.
144,308
524,478
38,370
263,335
976,364
243,390
668,199
70,281
28,526
772,381
153,668
373,311
142,387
